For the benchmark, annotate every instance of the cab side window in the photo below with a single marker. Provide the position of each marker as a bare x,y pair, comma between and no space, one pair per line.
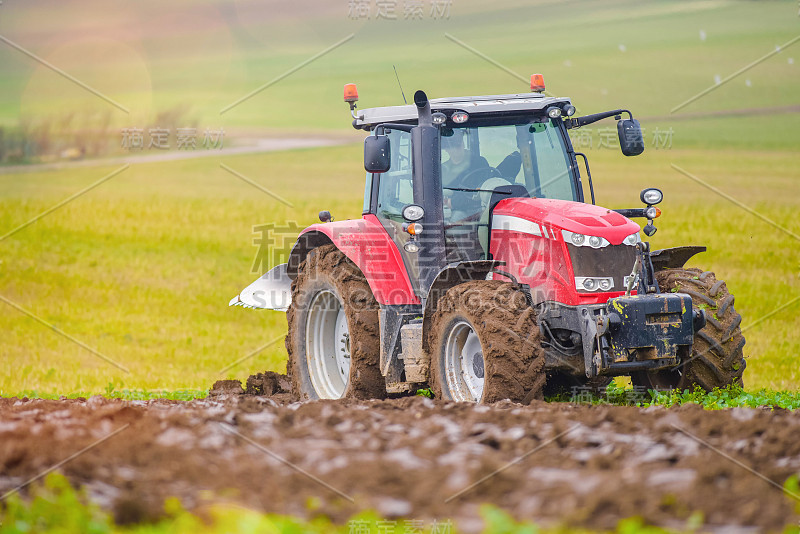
395,189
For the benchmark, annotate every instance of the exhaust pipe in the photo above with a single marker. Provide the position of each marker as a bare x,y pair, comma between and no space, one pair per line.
423,108
428,193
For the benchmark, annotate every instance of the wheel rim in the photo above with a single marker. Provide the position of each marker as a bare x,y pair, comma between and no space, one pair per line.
328,346
464,366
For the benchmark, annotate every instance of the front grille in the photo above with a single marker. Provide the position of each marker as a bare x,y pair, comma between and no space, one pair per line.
615,261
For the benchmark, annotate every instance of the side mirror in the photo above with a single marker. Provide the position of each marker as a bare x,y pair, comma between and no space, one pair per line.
630,137
377,157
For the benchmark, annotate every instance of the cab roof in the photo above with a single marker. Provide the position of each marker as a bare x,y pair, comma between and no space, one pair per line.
490,104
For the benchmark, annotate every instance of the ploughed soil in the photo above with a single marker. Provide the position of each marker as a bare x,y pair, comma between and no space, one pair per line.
412,457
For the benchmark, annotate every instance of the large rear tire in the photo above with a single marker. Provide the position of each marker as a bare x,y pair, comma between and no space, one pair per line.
717,359
333,340
485,345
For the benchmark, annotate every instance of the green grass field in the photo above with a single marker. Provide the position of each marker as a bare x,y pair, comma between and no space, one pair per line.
141,268
204,56
55,506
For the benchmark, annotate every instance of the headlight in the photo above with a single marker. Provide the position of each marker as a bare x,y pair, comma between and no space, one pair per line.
594,283
460,117
553,112
632,239
412,212
580,240
651,196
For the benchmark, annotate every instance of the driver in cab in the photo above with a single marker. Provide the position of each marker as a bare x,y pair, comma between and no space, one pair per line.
460,162
467,182
460,173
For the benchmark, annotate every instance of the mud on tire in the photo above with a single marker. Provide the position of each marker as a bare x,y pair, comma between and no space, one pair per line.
513,358
717,358
326,270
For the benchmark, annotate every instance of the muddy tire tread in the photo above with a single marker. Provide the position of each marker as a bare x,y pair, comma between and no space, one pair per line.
510,337
717,354
366,381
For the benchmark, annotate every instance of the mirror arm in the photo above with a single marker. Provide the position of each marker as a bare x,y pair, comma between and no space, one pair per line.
393,126
588,173
589,119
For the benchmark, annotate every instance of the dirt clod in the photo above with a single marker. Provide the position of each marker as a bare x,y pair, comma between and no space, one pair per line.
413,457
268,383
226,387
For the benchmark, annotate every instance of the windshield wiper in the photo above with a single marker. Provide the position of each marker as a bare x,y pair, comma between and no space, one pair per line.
477,190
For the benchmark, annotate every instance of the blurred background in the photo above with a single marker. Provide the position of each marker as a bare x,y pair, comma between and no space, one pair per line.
143,145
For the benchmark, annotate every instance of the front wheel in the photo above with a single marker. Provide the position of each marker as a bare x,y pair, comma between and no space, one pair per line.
333,340
485,345
717,359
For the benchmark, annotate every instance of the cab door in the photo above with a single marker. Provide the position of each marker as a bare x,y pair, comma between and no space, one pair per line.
391,192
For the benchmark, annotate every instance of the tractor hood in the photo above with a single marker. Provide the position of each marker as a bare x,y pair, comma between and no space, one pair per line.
576,217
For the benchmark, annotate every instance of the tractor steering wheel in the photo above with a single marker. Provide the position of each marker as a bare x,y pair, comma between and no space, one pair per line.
465,178
469,202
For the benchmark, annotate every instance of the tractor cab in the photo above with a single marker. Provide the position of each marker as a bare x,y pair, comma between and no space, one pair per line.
521,156
450,161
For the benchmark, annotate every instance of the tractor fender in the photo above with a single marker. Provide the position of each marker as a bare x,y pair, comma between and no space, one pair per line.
367,244
449,277
673,258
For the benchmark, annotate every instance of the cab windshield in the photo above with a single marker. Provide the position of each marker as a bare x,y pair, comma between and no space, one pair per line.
531,154
521,158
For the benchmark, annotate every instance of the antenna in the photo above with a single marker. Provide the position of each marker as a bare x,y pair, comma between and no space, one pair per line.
401,85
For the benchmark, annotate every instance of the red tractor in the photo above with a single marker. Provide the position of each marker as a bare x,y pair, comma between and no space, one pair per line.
479,269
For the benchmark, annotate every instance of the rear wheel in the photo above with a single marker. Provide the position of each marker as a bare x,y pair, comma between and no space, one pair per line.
717,359
333,339
485,345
